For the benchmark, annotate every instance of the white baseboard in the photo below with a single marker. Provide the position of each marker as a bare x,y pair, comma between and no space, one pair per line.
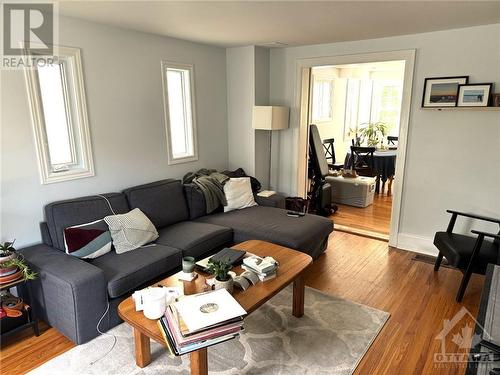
417,244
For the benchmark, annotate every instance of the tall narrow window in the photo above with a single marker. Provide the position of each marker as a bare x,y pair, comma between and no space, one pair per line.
179,112
322,100
59,115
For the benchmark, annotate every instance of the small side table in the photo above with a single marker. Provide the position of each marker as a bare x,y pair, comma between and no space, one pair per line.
31,319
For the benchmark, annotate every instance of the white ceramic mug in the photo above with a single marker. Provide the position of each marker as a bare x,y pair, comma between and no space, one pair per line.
154,303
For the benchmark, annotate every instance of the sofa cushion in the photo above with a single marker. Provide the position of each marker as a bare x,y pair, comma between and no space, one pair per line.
128,271
307,234
195,239
163,201
63,214
131,230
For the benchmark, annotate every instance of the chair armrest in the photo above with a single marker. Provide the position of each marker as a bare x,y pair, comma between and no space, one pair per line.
474,216
486,234
70,293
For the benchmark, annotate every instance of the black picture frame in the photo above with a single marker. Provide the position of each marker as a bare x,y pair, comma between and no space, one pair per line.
428,82
488,89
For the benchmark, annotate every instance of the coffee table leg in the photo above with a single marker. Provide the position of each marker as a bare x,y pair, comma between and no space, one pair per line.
298,296
142,349
199,362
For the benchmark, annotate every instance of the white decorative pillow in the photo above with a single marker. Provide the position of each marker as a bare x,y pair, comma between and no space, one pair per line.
238,192
131,230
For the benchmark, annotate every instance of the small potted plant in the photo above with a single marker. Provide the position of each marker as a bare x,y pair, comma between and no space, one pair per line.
12,262
7,251
220,270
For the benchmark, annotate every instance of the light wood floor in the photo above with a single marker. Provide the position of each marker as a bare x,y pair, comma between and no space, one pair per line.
374,218
359,269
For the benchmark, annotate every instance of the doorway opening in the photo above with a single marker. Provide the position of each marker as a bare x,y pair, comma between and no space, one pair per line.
362,102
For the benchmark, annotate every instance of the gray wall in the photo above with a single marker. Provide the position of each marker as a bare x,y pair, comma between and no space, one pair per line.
247,85
240,100
262,137
453,157
125,105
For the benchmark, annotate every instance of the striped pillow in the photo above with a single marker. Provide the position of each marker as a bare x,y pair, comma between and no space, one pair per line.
89,240
131,230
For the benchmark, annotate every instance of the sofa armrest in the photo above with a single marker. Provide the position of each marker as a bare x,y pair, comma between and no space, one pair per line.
276,200
69,293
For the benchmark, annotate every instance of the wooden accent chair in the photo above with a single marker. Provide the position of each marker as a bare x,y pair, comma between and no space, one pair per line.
470,254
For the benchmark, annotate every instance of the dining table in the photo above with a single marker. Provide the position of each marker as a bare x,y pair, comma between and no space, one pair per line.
384,164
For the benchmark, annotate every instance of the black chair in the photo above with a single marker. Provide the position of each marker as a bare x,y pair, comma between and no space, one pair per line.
392,141
319,191
470,254
330,154
363,162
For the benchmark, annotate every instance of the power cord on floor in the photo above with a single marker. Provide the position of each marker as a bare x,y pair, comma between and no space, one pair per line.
104,334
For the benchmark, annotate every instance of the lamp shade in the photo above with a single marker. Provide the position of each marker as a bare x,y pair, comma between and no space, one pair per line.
270,117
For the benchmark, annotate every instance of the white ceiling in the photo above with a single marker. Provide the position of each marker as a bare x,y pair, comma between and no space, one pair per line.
236,23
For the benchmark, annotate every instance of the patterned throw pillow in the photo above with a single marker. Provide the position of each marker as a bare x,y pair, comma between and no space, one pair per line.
131,230
88,241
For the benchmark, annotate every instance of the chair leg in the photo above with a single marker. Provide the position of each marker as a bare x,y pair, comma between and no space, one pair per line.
438,262
463,285
470,267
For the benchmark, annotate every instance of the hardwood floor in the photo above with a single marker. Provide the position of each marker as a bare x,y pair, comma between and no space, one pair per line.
364,270
374,218
359,269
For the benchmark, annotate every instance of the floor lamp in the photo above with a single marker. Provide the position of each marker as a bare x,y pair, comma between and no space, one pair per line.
270,118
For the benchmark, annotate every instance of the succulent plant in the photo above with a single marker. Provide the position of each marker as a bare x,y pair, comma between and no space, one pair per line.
219,269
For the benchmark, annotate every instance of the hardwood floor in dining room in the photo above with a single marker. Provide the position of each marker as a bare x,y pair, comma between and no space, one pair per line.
358,269
374,218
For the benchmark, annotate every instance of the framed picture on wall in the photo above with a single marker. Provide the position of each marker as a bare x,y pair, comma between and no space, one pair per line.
474,95
442,91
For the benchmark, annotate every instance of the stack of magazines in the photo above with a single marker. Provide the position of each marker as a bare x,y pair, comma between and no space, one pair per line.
265,268
201,320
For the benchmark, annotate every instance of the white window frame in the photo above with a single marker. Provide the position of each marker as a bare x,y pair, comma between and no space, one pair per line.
194,132
82,164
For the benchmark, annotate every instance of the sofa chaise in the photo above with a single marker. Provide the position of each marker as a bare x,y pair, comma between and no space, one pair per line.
73,294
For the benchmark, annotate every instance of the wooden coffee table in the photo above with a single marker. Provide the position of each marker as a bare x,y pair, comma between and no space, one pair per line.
292,264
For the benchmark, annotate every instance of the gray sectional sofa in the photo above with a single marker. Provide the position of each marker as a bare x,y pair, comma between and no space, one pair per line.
72,294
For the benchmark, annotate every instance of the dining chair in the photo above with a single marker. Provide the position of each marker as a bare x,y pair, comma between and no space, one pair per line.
469,254
363,162
328,145
392,141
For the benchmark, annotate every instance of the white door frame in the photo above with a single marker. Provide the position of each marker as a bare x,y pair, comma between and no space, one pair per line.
408,56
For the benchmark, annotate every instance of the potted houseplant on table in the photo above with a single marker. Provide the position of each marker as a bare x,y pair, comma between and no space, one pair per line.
373,133
12,263
220,270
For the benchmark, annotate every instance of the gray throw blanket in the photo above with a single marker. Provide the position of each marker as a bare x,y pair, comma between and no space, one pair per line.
211,183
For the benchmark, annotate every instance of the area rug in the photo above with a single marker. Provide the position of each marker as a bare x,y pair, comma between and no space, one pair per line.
331,338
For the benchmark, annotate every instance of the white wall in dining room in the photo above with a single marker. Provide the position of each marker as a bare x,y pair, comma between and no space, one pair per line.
125,106
453,156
